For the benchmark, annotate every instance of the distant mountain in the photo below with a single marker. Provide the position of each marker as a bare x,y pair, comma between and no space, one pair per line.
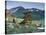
19,12
37,14
17,9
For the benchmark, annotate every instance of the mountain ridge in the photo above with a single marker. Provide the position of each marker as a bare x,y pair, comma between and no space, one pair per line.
18,12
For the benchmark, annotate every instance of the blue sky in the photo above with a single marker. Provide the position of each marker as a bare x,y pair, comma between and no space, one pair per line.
12,4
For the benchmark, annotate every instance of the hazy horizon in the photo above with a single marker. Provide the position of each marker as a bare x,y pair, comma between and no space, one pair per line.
12,4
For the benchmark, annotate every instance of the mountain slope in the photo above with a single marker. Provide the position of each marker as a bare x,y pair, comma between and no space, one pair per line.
37,14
